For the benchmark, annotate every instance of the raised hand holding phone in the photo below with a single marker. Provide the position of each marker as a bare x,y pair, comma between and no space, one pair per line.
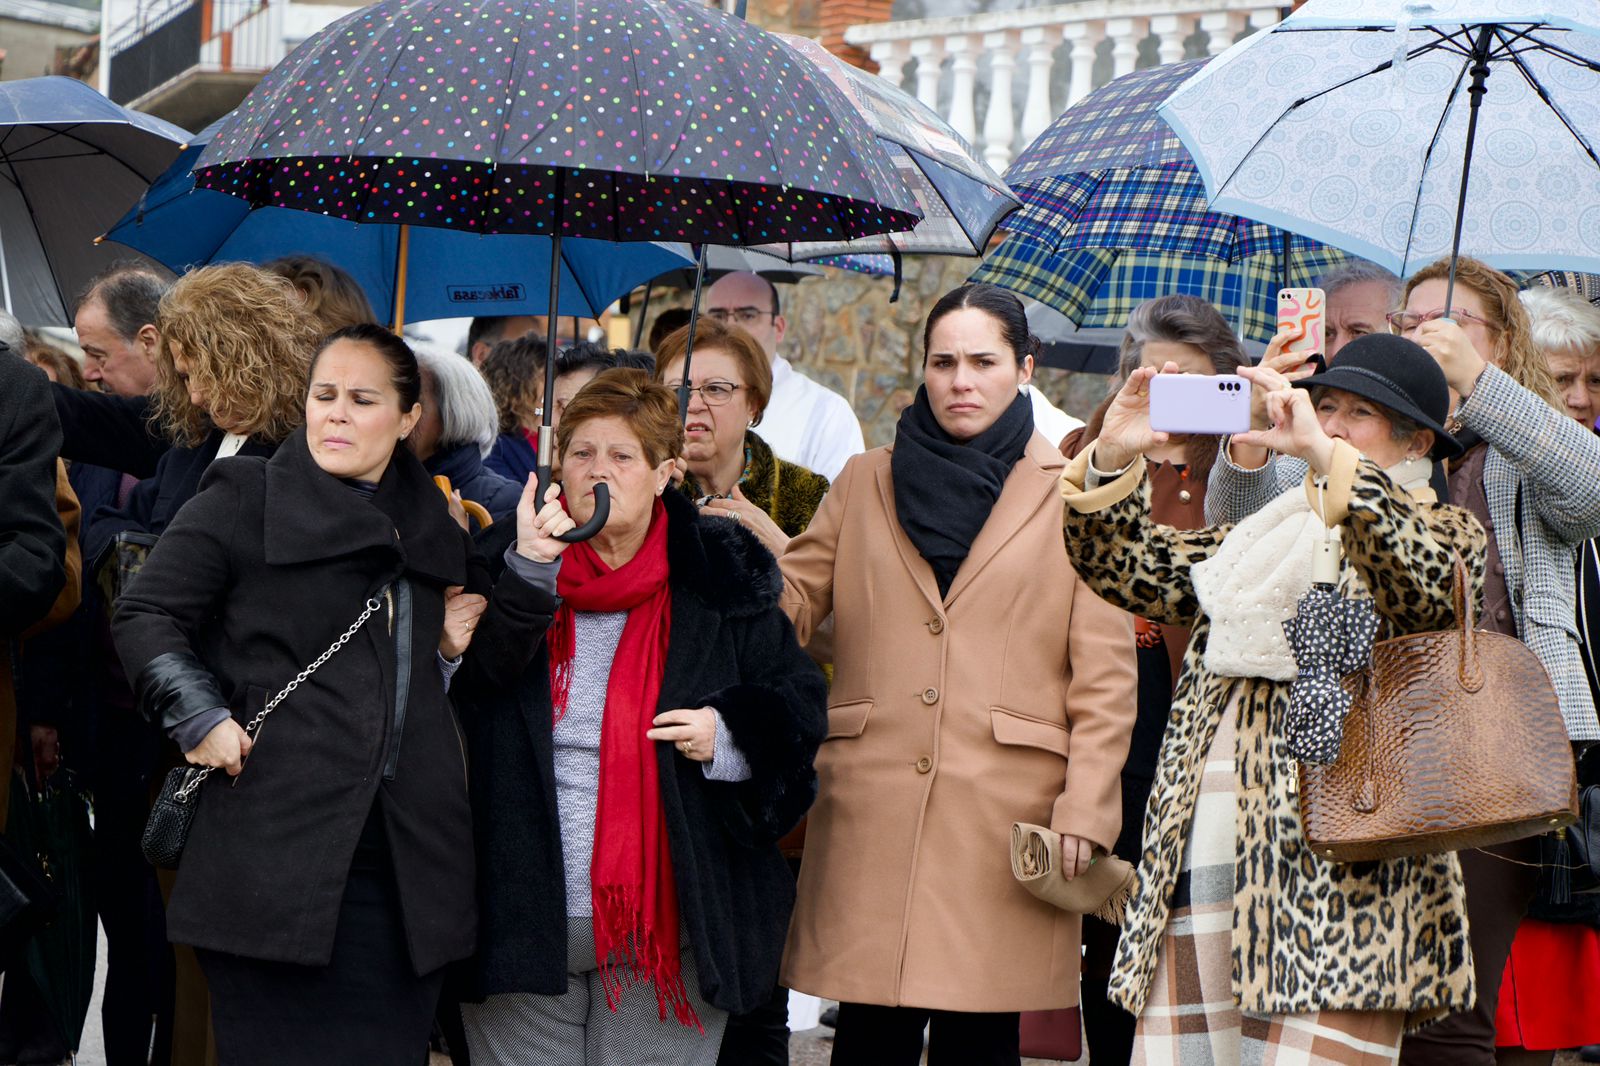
1295,429
1125,431
1278,367
1306,312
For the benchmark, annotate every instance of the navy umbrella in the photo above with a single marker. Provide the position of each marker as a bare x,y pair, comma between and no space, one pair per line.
69,160
644,120
408,273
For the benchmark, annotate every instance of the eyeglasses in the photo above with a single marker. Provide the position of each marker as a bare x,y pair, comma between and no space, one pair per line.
743,316
1406,321
714,393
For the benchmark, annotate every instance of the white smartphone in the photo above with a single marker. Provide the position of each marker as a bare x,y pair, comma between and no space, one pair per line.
1199,403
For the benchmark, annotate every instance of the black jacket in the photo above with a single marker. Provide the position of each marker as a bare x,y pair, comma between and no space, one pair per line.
468,475
155,501
33,544
250,583
730,648
110,431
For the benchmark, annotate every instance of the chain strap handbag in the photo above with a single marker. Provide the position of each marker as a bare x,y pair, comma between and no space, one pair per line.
167,828
1454,740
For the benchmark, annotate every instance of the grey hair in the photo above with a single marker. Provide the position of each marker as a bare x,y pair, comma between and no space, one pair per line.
1180,319
11,334
130,295
1562,320
1357,272
466,406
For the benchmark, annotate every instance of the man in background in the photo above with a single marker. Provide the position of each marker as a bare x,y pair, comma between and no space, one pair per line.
805,422
1360,296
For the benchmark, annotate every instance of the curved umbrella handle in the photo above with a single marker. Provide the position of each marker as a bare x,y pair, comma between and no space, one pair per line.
596,522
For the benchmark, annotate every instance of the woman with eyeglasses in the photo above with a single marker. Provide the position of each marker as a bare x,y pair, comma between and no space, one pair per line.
731,471
1528,474
806,422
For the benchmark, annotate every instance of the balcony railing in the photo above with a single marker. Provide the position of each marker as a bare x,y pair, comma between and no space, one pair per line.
168,39
153,50
967,66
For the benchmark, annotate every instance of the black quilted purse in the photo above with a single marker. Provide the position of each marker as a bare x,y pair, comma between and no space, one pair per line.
167,828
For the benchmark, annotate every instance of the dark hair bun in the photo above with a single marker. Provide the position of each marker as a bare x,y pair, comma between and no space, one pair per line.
999,304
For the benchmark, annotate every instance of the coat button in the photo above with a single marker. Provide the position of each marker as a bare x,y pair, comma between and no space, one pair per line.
924,764
1500,616
930,696
1184,496
936,626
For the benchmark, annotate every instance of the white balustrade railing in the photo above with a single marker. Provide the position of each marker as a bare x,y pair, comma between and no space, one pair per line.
1020,69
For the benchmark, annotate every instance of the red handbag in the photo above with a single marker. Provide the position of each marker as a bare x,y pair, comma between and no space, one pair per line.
1052,1034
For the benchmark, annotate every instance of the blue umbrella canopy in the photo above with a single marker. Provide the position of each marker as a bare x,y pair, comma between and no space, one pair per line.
449,273
636,121
69,160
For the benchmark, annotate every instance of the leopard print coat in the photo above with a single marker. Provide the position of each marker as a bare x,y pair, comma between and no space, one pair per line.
1308,934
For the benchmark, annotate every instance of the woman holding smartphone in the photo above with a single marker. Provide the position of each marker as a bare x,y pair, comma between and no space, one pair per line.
1239,940
1527,474
1188,331
977,682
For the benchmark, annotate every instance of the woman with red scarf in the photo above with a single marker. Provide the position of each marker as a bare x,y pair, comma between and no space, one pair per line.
641,726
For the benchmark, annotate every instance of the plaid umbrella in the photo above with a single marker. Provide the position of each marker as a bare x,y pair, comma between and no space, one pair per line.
1110,173
1102,286
1114,127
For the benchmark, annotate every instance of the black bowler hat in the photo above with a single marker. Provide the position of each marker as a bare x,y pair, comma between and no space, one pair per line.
1397,374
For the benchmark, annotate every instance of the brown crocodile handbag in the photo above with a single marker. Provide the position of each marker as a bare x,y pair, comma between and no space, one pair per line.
1454,740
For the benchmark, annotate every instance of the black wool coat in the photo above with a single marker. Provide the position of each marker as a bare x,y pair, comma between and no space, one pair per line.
252,581
110,431
33,544
156,500
730,648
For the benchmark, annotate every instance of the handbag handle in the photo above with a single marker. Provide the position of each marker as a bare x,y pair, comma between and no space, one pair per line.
197,775
1469,671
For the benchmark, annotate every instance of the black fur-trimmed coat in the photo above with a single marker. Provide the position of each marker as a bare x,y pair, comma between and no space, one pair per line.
730,648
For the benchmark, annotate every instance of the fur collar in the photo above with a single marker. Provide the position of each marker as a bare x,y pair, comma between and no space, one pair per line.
719,561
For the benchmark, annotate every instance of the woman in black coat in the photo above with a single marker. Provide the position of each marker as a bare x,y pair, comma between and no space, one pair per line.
717,715
329,881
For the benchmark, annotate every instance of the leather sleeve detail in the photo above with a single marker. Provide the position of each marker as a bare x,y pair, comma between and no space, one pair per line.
174,687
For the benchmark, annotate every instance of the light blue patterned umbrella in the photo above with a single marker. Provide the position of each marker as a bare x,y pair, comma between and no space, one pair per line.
1404,132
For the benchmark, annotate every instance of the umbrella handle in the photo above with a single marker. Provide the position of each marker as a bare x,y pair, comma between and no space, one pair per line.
596,522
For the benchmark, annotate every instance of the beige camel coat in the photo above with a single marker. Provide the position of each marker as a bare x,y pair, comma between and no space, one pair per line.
1011,700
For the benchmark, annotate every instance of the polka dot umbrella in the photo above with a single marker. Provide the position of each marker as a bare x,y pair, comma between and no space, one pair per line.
624,120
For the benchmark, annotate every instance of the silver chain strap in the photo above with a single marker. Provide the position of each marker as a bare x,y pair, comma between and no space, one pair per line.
373,603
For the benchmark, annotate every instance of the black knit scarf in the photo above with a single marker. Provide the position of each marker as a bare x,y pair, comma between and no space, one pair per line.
944,489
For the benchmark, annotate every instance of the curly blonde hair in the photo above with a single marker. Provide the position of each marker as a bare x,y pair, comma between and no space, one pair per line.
248,342
1514,349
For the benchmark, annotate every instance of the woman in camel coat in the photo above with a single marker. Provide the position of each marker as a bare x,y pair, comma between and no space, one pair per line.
977,682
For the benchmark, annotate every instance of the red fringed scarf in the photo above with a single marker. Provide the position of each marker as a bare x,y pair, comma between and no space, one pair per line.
634,896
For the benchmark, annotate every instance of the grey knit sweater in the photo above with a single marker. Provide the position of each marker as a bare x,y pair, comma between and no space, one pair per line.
577,735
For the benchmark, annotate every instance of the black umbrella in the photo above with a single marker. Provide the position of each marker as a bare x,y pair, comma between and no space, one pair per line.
70,161
645,120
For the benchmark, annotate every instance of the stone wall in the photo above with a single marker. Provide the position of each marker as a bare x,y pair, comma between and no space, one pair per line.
844,332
